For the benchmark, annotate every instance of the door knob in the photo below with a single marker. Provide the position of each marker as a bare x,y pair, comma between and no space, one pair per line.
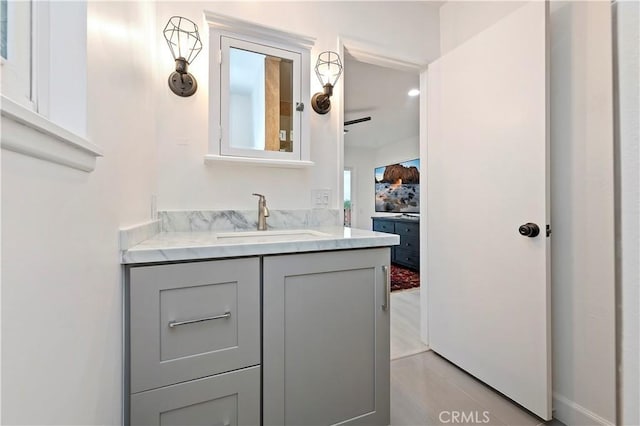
529,230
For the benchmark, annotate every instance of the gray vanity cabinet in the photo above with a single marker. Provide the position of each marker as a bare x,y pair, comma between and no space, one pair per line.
193,342
326,338
227,399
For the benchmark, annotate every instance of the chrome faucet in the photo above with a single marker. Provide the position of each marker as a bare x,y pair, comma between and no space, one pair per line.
263,212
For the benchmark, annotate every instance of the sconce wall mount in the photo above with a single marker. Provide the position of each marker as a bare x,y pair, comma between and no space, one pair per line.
321,102
181,82
184,42
328,69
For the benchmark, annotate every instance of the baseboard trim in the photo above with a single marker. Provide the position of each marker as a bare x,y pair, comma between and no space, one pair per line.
572,414
410,353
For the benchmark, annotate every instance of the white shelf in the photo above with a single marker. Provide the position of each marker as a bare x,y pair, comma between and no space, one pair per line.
29,133
266,162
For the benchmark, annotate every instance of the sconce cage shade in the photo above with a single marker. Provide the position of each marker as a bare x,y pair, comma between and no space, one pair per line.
328,68
183,38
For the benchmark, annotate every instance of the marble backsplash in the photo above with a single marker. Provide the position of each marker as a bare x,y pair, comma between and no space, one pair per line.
133,235
245,220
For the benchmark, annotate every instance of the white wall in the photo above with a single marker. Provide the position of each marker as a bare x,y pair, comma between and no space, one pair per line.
61,277
461,20
627,33
582,213
583,272
408,29
363,161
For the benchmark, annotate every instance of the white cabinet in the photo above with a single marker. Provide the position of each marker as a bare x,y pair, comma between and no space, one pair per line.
258,94
326,338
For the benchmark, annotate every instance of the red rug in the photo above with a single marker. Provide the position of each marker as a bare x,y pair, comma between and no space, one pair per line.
403,278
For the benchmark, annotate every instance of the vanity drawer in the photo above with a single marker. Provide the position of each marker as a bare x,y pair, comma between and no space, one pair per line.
408,229
192,320
226,399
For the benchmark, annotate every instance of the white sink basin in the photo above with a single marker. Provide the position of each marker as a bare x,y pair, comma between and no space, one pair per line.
275,235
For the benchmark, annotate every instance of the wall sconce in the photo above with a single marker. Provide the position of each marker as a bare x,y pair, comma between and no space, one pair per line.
184,42
328,70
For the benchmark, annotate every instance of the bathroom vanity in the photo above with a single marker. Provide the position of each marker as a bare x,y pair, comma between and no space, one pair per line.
277,327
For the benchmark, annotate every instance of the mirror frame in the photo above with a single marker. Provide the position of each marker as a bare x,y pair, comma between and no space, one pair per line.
225,27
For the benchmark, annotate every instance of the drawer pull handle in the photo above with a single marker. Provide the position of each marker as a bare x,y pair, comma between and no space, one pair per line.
387,289
177,323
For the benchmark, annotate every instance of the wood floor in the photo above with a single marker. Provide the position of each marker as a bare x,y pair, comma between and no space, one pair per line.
405,324
428,390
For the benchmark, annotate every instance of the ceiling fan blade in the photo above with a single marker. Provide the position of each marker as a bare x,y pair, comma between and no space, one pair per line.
356,121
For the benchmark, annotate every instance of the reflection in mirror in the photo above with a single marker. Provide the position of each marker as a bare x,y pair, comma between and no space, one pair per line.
260,101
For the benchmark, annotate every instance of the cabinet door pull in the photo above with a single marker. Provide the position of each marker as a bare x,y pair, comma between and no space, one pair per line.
387,289
177,323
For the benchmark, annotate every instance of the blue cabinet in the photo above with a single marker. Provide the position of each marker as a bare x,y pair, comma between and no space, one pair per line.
408,252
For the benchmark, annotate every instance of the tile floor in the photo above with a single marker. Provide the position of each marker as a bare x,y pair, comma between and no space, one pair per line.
428,390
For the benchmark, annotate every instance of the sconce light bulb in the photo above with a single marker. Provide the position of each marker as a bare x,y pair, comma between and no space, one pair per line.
183,38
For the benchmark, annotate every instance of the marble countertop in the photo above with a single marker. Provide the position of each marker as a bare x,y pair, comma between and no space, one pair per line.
193,245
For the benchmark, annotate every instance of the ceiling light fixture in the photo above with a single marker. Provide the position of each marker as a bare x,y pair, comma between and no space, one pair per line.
413,92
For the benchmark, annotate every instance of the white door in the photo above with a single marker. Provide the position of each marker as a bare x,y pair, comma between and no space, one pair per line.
487,174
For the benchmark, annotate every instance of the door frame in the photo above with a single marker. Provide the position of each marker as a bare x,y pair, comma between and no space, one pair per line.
374,55
352,173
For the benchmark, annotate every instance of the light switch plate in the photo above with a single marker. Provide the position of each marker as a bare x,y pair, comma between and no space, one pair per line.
320,198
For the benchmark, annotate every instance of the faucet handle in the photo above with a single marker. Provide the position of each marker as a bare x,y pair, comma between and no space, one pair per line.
258,195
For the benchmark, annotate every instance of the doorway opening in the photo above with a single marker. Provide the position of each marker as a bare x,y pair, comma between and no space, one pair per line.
381,174
348,199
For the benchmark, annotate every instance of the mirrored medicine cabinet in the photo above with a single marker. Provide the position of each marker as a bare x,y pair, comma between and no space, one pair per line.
259,82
